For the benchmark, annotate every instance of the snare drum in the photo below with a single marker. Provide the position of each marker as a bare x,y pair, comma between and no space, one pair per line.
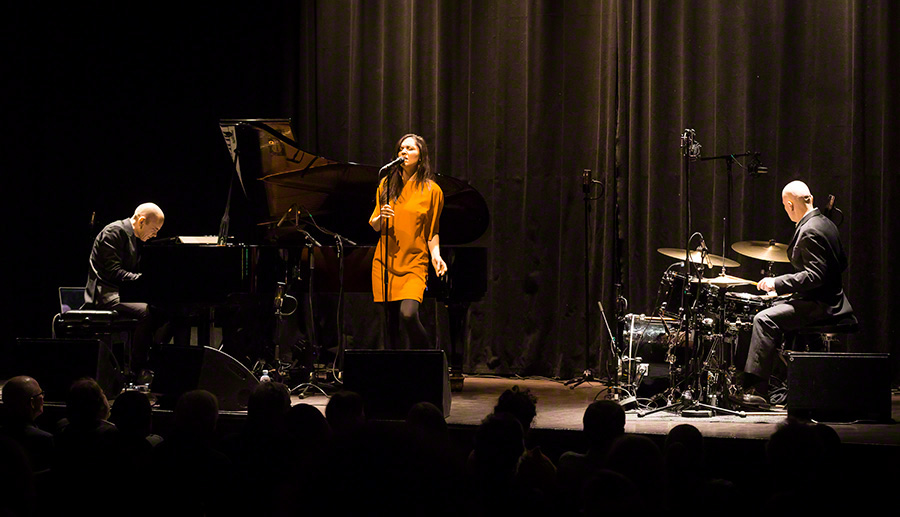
744,306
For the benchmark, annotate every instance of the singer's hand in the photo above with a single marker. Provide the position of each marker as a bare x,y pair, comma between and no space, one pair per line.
766,284
440,267
387,211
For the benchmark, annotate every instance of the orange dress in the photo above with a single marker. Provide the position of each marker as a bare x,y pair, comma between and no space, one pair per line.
416,221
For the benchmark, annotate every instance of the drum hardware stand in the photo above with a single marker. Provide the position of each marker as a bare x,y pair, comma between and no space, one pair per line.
587,375
688,405
616,387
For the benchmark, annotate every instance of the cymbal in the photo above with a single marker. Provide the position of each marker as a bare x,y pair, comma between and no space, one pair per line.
726,281
769,251
711,260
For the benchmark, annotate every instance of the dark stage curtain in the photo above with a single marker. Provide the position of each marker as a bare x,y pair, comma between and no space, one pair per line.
519,97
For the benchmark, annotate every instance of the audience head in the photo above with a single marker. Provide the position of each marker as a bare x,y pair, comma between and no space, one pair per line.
307,424
640,460
499,442
606,492
603,421
795,451
86,403
345,412
23,399
686,443
426,422
267,404
521,404
196,414
132,413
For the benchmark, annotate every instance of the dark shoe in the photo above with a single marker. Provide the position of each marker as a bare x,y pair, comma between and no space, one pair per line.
749,398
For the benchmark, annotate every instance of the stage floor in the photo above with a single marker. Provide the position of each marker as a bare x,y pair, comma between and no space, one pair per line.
560,408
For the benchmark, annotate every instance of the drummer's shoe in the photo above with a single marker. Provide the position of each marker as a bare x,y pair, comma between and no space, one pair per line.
749,397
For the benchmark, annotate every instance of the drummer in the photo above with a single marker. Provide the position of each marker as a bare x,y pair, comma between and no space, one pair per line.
816,254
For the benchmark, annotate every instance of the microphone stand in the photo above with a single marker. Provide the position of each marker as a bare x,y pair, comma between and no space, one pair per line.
389,171
687,403
587,374
754,170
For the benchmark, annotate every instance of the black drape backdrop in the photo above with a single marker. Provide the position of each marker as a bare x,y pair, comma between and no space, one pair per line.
516,97
519,97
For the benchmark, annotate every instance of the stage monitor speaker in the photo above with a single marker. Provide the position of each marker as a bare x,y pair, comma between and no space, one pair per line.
179,369
392,381
57,362
839,387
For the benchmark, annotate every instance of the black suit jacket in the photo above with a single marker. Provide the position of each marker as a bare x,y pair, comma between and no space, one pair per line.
115,259
816,253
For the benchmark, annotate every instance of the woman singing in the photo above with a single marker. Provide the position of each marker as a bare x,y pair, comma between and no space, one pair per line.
407,213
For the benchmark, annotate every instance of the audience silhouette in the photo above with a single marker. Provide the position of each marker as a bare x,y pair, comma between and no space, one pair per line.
294,461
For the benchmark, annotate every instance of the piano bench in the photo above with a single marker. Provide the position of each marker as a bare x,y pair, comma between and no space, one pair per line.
110,327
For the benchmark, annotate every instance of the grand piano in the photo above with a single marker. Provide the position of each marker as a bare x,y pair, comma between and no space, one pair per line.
306,208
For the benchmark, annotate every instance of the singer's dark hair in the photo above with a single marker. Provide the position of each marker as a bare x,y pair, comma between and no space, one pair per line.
421,177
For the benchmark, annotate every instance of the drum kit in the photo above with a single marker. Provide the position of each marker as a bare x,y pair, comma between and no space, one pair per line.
695,328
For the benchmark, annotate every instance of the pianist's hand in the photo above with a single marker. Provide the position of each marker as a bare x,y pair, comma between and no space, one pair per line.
766,284
440,267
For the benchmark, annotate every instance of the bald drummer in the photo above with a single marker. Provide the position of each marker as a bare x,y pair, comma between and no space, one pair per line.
818,258
115,259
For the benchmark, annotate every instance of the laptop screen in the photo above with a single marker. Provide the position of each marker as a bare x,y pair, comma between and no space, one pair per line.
70,298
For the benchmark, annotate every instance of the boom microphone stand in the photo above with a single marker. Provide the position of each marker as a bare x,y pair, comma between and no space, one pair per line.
690,150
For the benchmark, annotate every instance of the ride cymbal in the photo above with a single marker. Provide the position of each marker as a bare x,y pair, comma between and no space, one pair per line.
695,257
769,251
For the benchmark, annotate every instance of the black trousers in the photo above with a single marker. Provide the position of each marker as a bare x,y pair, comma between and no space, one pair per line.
769,327
143,332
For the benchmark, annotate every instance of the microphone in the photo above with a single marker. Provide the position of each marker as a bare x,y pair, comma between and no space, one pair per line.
395,161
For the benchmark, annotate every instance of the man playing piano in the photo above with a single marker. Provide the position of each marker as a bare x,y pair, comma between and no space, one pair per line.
408,210
115,260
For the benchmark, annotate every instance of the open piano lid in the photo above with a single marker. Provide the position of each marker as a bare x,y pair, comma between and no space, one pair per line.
341,196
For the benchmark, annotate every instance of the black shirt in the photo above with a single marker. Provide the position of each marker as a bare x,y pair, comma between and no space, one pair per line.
115,258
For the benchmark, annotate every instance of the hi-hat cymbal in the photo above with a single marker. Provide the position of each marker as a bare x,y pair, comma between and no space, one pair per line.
726,281
695,257
770,251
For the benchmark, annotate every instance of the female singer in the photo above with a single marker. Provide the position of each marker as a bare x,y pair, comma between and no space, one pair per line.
407,213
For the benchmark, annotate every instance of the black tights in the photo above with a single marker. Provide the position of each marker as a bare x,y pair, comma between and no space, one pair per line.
405,313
